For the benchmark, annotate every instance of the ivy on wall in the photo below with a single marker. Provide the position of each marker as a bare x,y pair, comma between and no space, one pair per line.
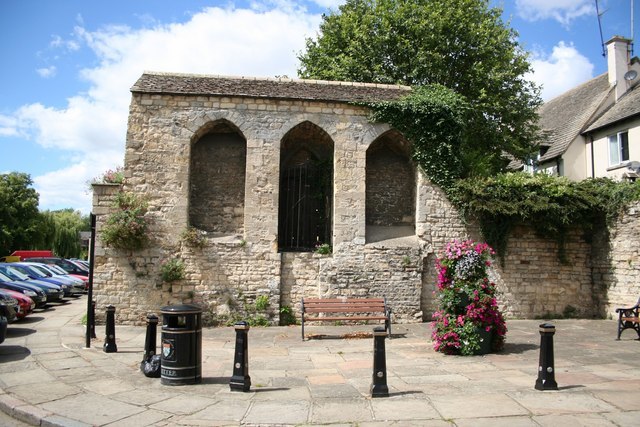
434,118
551,205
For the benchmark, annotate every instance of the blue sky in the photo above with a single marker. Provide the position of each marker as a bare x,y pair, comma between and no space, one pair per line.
69,65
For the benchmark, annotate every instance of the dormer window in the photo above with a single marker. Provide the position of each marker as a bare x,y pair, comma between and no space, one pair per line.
618,148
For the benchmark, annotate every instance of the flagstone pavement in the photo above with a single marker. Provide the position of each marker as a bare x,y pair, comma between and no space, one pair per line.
48,377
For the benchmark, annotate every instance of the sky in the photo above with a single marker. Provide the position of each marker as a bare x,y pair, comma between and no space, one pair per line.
69,66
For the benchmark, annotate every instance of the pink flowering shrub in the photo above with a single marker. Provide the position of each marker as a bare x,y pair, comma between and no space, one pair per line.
111,176
468,310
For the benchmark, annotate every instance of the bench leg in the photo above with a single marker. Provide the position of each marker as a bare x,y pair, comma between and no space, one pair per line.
620,329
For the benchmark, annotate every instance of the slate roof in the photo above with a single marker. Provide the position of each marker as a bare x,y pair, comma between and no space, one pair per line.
627,106
274,88
565,117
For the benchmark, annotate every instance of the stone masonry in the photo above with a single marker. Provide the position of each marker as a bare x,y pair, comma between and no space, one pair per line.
209,151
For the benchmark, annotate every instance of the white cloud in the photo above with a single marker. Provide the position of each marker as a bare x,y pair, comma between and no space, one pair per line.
92,127
47,72
564,69
9,126
329,4
563,11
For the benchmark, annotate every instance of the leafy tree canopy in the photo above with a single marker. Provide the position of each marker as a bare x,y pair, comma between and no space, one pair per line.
18,211
462,45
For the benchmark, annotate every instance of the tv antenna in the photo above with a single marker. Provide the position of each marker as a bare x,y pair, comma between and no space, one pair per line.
604,50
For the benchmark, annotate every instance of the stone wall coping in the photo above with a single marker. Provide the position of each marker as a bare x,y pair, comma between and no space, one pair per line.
265,87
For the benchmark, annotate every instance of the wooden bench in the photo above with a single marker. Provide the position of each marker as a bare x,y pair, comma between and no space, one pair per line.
313,310
628,319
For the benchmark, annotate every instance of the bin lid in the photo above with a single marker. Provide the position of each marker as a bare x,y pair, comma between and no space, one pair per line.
181,309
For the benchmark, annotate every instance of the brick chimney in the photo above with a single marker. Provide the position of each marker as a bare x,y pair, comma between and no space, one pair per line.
618,62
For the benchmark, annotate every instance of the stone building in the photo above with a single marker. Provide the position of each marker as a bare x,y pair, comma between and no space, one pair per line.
268,170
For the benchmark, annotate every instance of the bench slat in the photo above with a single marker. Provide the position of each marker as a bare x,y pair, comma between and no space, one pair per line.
332,319
359,306
336,309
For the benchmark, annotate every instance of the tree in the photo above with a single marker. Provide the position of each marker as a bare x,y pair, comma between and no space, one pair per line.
462,45
19,217
63,229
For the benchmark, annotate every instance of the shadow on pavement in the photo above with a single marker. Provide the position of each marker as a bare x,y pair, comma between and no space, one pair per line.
15,332
13,353
31,319
515,348
216,380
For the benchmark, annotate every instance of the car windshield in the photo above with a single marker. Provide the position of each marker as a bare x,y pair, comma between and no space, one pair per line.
13,273
5,278
57,269
42,270
30,271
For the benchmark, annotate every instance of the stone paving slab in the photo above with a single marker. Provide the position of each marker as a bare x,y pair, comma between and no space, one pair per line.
47,377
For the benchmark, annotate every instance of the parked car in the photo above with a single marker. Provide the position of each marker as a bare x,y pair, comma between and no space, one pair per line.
12,307
35,273
34,292
25,304
56,269
3,323
53,292
66,265
75,286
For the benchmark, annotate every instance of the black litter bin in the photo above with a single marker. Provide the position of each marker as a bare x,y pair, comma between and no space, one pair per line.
181,345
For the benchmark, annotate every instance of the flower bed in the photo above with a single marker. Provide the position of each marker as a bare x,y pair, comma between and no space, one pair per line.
468,320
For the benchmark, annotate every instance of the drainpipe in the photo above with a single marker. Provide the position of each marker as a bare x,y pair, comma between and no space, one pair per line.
593,165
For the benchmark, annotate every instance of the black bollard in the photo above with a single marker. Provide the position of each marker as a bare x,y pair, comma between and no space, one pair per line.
546,373
379,386
92,326
110,338
150,338
151,362
241,381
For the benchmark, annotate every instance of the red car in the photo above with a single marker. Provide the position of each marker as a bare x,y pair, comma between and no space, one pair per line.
25,304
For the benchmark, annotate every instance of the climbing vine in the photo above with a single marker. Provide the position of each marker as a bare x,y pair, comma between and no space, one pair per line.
433,118
126,228
551,205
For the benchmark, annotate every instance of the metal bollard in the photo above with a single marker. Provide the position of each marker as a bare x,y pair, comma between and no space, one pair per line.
379,386
150,338
110,338
241,381
151,362
92,326
546,373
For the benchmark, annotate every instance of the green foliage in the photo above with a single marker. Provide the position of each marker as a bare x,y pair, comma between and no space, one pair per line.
111,176
262,303
61,231
552,205
126,228
434,118
172,270
194,237
287,316
462,45
19,217
323,249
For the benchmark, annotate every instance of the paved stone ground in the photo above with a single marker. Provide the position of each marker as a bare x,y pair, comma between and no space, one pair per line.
48,378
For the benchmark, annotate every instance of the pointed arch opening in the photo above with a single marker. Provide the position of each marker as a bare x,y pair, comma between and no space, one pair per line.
390,188
306,189
217,179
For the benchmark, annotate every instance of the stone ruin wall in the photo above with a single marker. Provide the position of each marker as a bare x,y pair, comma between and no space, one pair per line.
233,270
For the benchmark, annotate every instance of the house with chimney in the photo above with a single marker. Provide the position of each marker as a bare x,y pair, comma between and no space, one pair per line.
593,130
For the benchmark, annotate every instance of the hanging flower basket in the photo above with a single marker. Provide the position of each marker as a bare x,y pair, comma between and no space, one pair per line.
468,321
